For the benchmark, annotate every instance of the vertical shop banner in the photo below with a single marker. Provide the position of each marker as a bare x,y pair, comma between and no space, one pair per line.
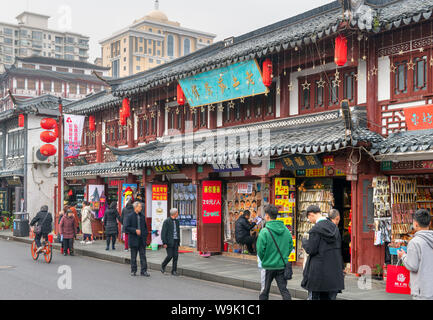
128,192
285,194
211,205
95,195
73,133
159,206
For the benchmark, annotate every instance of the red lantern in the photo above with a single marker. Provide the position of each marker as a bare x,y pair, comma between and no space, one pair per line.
70,193
126,106
122,117
21,121
92,125
180,96
48,136
267,72
48,123
340,50
48,150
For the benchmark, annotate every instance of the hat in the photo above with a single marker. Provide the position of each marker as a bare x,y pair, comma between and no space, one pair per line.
44,208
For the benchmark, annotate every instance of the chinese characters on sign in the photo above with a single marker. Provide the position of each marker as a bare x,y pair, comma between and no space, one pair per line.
243,79
211,202
72,135
227,167
245,188
159,193
285,194
159,209
419,118
167,169
301,162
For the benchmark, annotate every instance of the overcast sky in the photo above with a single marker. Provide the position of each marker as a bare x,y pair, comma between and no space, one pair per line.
100,18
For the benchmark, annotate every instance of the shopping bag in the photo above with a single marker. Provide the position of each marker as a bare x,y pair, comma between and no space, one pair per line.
397,280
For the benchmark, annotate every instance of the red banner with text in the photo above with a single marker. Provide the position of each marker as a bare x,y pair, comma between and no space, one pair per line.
419,118
211,202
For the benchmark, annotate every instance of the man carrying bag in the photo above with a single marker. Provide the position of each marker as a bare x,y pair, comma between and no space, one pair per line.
274,246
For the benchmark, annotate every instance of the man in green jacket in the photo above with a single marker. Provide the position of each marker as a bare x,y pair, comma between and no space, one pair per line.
272,264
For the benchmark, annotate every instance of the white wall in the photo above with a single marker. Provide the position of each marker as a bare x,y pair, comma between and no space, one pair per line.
362,81
40,183
384,79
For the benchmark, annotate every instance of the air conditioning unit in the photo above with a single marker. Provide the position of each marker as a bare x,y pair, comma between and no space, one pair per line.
39,158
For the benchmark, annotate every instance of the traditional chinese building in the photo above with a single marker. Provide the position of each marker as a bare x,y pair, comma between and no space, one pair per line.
271,116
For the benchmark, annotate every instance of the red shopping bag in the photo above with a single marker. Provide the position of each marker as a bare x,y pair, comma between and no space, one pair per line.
397,280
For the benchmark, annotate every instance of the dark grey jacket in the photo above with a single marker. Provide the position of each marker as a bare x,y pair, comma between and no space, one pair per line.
110,221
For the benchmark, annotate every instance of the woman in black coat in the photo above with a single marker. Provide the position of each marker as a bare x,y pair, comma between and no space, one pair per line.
111,218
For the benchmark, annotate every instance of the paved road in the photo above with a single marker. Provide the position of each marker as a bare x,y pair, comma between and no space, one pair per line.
92,279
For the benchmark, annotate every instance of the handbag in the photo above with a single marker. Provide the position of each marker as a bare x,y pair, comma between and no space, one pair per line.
288,271
38,228
398,278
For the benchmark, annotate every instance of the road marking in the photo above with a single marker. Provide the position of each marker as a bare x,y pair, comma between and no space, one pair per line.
6,267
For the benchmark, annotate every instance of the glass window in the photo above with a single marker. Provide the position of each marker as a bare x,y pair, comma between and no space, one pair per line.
59,40
420,73
186,46
69,57
8,31
36,35
170,46
348,86
319,94
333,92
8,41
305,99
401,77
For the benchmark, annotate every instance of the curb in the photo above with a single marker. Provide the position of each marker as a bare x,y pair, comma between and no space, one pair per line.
246,284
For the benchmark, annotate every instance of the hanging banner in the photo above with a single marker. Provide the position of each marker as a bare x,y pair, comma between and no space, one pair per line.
211,205
243,79
159,206
73,133
419,118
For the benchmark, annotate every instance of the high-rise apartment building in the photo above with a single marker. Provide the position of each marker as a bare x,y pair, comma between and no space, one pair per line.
31,36
149,42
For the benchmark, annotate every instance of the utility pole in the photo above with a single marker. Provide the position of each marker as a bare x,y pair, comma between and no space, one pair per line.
60,160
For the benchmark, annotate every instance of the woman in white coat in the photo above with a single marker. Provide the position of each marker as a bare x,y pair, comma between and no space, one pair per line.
86,223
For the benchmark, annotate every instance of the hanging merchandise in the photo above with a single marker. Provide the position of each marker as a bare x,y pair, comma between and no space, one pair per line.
92,125
382,210
184,199
21,121
340,50
267,72
180,96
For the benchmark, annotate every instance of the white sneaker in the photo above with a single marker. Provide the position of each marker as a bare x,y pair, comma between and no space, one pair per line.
82,242
89,242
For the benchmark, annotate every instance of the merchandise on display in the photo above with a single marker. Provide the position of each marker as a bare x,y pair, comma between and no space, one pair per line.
184,199
382,210
404,205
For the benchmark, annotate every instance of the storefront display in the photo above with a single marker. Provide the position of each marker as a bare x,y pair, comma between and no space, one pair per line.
404,205
184,198
382,211
241,196
159,211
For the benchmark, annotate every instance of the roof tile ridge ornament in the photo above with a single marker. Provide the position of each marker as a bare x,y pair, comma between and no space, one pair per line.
103,80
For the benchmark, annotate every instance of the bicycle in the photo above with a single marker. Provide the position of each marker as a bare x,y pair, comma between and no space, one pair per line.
47,251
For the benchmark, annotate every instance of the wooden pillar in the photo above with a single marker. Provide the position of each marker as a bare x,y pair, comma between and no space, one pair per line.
131,129
99,148
161,121
213,119
285,95
372,85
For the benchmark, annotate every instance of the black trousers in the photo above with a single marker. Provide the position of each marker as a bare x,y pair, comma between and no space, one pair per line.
172,253
322,296
112,238
38,237
278,275
142,251
250,242
68,244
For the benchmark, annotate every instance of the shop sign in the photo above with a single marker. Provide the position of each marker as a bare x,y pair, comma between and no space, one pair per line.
211,202
328,161
243,79
115,183
424,164
386,165
172,168
340,173
300,162
3,199
226,167
419,118
285,194
245,188
14,182
403,165
159,207
314,173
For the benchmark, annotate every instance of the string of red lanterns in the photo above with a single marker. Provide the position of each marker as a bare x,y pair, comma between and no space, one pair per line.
48,137
340,50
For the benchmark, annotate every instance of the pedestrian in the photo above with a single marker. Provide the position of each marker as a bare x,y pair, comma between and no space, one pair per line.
59,236
77,219
335,217
419,257
86,223
110,219
44,222
274,246
136,228
68,230
323,273
125,212
170,236
243,229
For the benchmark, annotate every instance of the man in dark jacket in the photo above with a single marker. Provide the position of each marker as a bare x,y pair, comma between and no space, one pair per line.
243,232
323,273
170,236
135,226
111,218
45,220
125,212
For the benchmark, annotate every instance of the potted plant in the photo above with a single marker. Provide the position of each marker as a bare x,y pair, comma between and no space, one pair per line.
378,272
2,225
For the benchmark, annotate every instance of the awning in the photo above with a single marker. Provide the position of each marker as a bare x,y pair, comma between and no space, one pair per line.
111,169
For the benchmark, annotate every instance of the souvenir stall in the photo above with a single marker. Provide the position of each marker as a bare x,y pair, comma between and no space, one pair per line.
184,198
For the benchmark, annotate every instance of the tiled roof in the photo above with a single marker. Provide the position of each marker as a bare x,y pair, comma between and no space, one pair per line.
403,142
93,103
11,172
373,16
95,169
61,62
312,134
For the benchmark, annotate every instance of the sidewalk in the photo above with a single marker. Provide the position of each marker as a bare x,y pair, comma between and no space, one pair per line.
226,270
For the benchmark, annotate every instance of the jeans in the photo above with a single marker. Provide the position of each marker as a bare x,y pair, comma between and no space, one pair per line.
38,237
278,275
321,296
142,251
68,244
333,295
111,237
126,241
172,253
